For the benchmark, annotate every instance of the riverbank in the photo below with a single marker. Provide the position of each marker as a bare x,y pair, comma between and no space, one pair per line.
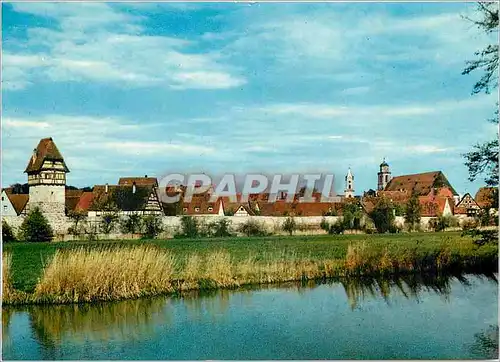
87,272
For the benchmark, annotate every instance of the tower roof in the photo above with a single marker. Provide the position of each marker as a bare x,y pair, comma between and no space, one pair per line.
384,163
45,151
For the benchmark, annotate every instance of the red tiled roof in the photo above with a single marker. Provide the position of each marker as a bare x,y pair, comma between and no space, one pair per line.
139,181
18,201
123,197
85,201
46,150
281,208
71,199
420,183
432,207
200,205
398,197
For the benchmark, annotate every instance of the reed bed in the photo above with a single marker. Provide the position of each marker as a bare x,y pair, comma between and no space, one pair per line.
7,288
86,275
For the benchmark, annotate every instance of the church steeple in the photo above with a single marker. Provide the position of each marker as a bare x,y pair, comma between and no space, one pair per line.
384,175
349,184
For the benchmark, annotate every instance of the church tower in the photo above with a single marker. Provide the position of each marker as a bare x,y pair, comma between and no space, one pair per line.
47,178
384,176
349,184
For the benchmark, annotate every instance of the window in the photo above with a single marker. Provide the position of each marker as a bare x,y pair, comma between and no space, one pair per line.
210,209
2,198
185,209
197,209
4,208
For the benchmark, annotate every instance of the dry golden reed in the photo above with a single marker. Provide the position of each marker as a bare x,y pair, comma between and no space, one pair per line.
85,275
7,289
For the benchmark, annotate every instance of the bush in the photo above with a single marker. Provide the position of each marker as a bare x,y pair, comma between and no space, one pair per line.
351,216
337,228
252,228
76,216
7,233
485,218
131,224
220,228
108,222
189,227
324,225
153,226
469,224
289,225
36,227
442,222
383,216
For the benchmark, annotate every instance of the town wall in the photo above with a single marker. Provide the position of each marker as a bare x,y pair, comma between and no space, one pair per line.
306,225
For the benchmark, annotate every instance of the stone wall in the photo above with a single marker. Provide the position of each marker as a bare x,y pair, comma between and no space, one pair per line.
307,225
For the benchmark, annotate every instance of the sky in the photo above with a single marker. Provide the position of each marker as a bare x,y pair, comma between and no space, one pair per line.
128,89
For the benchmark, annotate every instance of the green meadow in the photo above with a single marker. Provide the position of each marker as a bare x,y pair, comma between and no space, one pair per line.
28,259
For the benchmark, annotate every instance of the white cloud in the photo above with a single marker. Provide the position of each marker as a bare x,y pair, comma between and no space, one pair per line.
425,149
206,80
156,148
95,42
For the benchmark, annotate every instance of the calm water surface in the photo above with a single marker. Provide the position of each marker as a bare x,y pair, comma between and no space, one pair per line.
441,318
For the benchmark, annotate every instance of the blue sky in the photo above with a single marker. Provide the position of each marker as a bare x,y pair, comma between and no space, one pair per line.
142,88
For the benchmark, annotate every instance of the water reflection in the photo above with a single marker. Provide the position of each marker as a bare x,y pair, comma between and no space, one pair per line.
409,286
135,320
125,320
486,343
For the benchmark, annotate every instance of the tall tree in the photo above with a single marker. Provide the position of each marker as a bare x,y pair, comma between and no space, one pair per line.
483,159
413,211
383,216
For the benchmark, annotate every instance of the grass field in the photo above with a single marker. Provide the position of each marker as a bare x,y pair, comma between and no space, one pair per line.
28,259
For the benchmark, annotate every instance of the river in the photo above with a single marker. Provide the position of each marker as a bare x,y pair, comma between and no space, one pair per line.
409,318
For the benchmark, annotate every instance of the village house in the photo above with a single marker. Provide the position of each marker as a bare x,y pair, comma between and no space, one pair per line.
13,204
125,200
467,206
435,194
47,189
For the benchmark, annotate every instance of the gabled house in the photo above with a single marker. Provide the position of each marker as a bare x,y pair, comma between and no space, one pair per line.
467,206
126,199
13,204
